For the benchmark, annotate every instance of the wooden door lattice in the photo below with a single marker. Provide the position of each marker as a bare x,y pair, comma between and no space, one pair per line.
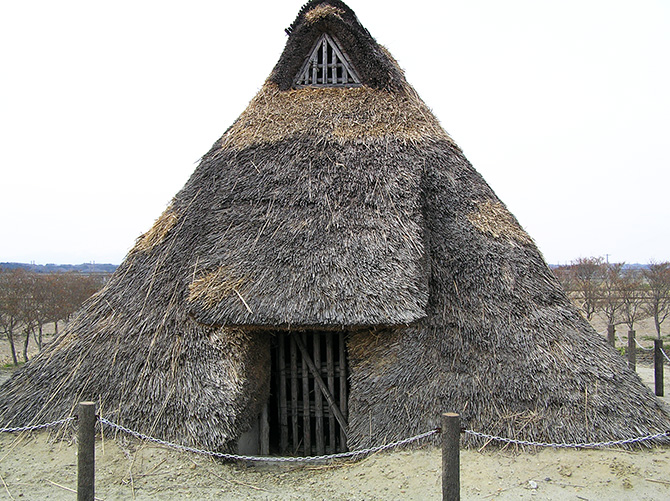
308,404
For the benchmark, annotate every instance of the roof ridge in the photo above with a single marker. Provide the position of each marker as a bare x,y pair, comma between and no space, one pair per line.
338,4
373,64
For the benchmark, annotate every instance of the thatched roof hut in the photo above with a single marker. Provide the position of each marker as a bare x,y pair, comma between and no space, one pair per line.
336,270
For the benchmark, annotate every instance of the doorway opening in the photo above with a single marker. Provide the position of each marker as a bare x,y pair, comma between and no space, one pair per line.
307,410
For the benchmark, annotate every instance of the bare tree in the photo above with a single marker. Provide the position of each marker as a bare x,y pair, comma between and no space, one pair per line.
26,285
61,297
29,300
79,288
588,274
44,296
610,302
657,305
632,298
69,291
565,275
10,307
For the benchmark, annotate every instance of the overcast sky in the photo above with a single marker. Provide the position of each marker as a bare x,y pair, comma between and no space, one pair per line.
106,108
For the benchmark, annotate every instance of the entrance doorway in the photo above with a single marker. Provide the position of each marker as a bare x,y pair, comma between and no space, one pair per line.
307,410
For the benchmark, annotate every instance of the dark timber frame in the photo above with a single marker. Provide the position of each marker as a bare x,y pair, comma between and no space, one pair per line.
327,66
309,392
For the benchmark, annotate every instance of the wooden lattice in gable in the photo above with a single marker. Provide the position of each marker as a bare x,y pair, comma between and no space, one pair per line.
327,66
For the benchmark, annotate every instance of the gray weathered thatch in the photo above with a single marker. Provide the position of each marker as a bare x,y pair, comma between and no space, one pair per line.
337,208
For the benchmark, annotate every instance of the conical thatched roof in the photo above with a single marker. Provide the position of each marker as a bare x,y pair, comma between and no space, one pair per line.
337,208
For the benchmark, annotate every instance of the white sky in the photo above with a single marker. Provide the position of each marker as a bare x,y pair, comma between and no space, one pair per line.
105,108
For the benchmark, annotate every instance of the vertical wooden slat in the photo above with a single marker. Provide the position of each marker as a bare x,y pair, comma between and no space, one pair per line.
330,367
306,429
283,404
324,61
295,439
314,364
318,380
315,65
326,65
265,431
318,399
343,389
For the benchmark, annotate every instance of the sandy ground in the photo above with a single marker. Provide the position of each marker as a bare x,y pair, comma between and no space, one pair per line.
36,466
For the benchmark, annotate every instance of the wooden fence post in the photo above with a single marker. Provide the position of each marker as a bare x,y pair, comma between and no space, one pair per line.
658,367
610,335
451,436
631,349
86,452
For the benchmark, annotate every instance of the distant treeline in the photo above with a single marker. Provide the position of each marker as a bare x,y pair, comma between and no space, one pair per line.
34,295
62,268
29,300
624,266
617,292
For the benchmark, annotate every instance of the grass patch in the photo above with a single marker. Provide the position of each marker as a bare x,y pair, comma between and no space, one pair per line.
11,366
651,337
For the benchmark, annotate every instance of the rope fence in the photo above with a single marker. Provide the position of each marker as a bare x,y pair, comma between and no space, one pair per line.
633,346
586,445
275,459
622,341
37,426
399,443
640,346
450,431
340,455
665,355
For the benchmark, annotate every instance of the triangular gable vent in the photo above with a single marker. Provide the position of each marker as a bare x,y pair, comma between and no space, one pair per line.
327,66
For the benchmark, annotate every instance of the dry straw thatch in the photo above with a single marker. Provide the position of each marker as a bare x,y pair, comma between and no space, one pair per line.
336,114
157,232
342,208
